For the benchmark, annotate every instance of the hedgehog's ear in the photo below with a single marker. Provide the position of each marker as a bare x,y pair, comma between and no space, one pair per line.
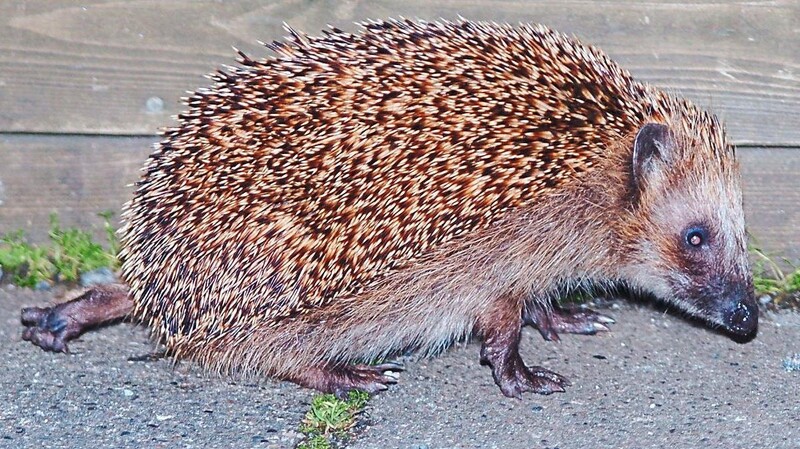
653,142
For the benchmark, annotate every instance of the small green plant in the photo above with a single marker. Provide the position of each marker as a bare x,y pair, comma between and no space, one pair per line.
770,279
793,281
331,417
315,442
111,237
75,252
27,264
70,253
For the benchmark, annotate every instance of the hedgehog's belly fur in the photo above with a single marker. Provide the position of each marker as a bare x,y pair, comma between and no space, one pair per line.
423,308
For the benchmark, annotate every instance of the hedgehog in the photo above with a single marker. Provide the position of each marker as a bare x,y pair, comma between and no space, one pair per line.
358,196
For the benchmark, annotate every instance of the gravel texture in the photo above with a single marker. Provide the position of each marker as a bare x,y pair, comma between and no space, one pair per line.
655,381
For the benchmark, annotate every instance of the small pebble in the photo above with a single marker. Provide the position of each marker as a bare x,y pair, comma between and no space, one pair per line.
792,363
765,299
98,277
42,286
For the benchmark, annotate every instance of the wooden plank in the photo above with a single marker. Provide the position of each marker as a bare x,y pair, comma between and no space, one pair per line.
119,67
74,176
771,183
79,176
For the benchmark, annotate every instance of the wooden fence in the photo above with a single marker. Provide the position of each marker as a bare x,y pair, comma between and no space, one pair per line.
85,85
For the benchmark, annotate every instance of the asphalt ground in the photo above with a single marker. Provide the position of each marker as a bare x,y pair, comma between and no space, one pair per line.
655,381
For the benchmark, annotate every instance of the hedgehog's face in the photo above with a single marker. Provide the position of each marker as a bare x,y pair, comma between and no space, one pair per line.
690,247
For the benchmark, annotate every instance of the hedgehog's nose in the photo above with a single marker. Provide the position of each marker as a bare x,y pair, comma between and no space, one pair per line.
743,319
739,311
741,315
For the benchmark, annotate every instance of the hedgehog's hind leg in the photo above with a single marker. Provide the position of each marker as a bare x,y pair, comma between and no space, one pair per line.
570,320
341,379
50,328
500,327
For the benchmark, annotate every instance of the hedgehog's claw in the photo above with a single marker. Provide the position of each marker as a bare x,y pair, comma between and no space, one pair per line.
500,350
518,378
390,366
513,376
571,320
341,380
371,379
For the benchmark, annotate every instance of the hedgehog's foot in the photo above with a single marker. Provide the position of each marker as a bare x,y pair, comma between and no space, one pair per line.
51,327
515,378
500,327
571,320
501,351
340,380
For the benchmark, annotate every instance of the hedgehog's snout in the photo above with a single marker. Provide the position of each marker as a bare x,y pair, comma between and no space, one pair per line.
743,319
740,318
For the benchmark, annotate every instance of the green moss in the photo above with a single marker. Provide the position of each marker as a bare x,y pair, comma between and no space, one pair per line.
330,417
71,251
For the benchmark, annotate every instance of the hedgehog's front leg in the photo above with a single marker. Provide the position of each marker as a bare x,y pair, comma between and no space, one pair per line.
500,326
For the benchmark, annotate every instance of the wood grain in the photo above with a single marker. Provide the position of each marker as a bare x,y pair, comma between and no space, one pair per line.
79,176
771,183
119,67
74,176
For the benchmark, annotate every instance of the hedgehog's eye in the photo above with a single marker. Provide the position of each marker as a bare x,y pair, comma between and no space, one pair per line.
696,236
